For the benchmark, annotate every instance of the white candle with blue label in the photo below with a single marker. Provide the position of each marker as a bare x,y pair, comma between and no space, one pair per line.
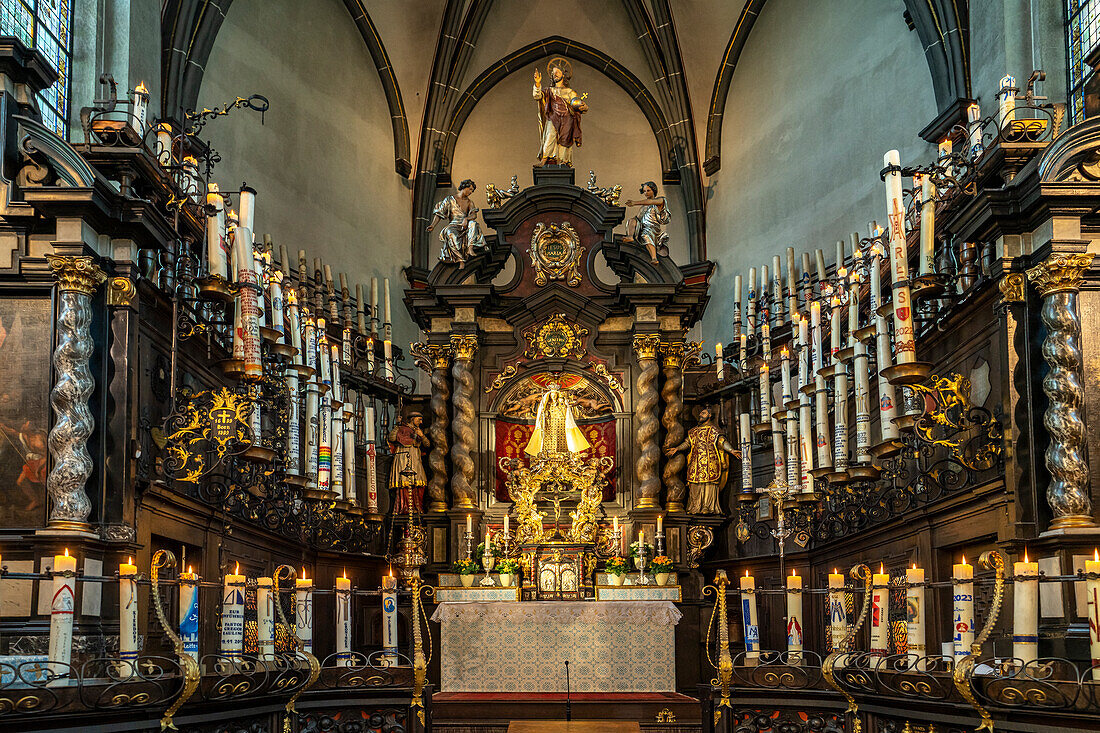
973,118
838,615
233,614
189,613
962,613
1006,101
303,611
750,308
737,307
127,615
62,608
748,615
343,622
777,290
389,621
265,618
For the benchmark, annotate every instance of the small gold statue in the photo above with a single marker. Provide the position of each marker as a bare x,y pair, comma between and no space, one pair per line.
708,464
560,110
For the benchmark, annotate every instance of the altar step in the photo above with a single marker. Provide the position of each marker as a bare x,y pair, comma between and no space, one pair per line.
491,712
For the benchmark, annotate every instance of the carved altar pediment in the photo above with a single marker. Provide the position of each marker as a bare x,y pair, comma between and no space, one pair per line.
569,477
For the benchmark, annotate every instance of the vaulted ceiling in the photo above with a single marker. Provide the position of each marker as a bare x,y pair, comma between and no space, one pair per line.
437,59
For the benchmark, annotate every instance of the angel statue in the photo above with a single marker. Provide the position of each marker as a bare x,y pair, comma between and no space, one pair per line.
708,464
648,225
560,110
461,236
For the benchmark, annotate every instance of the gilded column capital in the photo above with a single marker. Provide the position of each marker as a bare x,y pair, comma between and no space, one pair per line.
464,347
646,345
431,356
677,354
1012,286
1059,273
79,274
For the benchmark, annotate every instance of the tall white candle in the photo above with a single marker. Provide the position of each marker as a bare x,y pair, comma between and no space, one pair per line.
880,614
350,490
719,361
189,613
233,614
927,224
815,337
785,367
887,400
374,319
1025,610
303,610
746,454
838,614
750,309
792,293
62,608
905,349
819,258
312,424
265,618
324,444
164,144
806,283
749,618
963,609
765,393
777,291
914,616
293,424
386,291
246,341
794,619
803,352
278,307
141,108
737,329
743,356
822,431
862,393
372,459
337,438
794,456
217,251
840,413
973,117
1092,596
294,325
127,615
343,623
853,292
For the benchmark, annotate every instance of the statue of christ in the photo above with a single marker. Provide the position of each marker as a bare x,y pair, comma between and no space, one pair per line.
560,110
555,429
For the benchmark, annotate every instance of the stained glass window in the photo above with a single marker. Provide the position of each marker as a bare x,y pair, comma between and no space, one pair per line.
1082,36
45,25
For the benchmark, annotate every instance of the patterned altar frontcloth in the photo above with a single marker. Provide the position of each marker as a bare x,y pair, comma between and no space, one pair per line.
611,646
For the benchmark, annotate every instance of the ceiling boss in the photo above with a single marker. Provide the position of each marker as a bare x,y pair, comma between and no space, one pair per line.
560,109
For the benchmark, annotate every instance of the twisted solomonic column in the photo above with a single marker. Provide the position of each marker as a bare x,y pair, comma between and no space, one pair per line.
674,354
463,348
645,421
1058,279
77,280
434,359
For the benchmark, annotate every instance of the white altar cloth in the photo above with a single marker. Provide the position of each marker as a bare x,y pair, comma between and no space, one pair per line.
611,646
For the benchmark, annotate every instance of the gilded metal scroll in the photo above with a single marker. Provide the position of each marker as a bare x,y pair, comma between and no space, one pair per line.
828,667
164,559
964,670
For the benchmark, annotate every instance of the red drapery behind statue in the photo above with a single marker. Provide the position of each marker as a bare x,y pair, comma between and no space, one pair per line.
512,437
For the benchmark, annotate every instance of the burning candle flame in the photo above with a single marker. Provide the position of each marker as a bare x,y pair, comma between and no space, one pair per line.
188,568
964,560
129,561
66,552
1096,555
1025,554
746,573
880,570
304,573
237,570
345,574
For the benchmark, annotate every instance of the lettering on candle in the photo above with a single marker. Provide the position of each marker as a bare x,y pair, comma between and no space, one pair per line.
189,614
752,632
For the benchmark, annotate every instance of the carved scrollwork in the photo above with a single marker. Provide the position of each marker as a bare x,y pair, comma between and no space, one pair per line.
556,253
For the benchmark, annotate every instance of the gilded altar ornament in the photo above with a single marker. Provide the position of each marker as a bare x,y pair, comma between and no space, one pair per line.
972,435
610,196
494,197
612,382
165,560
501,379
724,665
708,464
556,254
557,337
78,274
699,539
828,667
1012,286
560,109
461,236
648,226
558,477
210,422
121,291
286,571
963,674
420,659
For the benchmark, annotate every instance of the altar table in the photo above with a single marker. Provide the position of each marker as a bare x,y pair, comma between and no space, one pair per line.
611,646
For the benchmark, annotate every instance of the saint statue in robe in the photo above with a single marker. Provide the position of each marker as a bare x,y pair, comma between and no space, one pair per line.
560,110
461,235
648,225
407,477
708,464
555,429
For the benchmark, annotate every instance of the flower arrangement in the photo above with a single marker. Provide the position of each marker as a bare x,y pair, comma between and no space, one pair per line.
635,546
508,567
661,564
466,567
615,566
